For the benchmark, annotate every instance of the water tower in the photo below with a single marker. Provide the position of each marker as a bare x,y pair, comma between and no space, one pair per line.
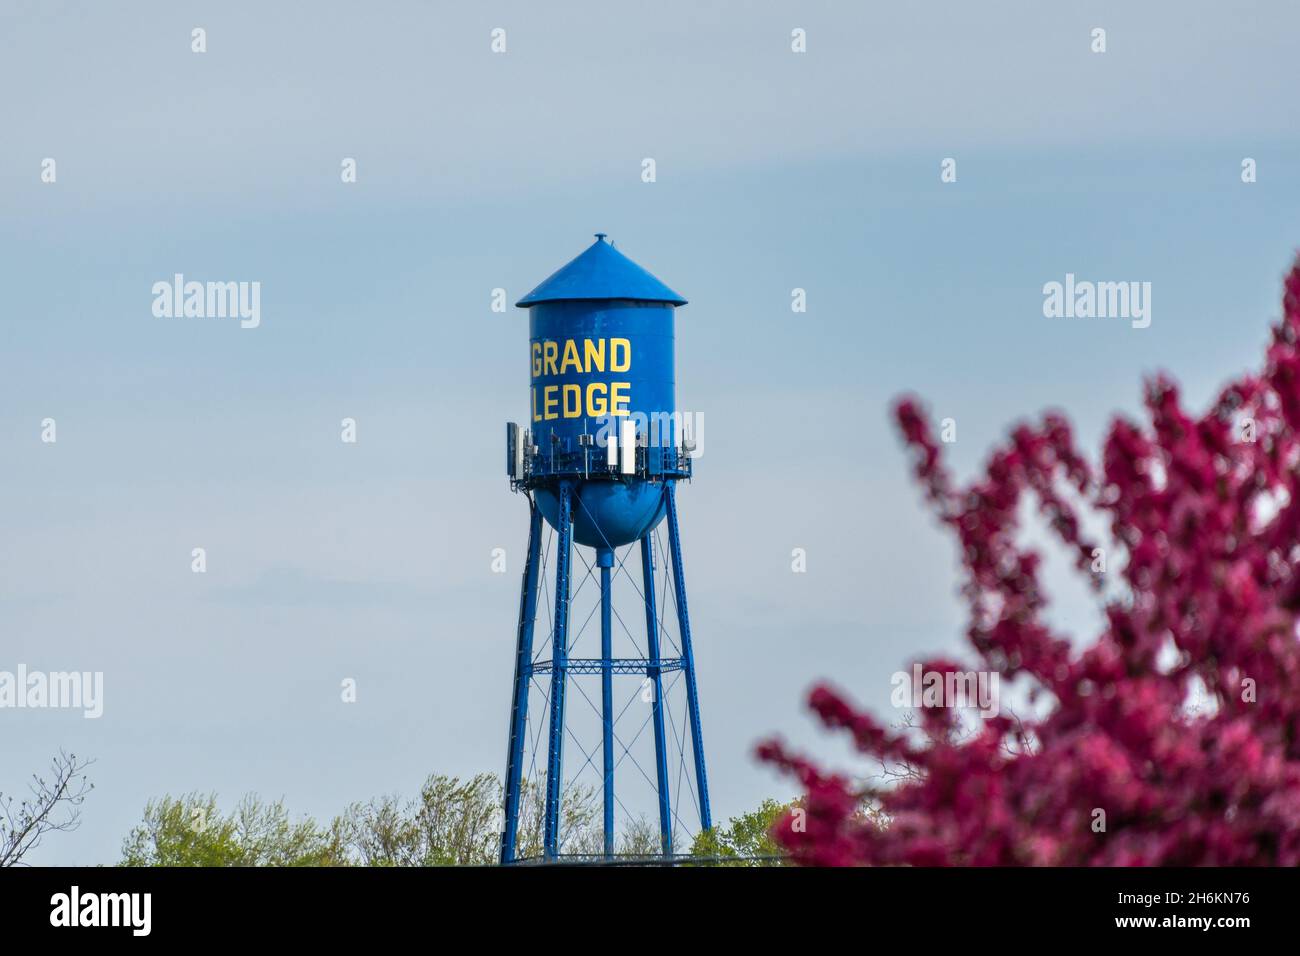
599,459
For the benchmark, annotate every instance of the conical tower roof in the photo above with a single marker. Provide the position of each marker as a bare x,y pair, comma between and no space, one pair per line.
601,272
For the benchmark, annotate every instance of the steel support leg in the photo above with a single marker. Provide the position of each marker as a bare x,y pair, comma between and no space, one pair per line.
523,678
688,657
653,673
560,660
605,559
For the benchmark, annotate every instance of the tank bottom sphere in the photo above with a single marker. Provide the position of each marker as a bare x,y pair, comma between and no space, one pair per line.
607,513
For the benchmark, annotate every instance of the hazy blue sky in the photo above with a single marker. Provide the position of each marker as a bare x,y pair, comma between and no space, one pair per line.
477,170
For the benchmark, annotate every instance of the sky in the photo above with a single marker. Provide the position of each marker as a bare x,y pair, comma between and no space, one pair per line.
478,170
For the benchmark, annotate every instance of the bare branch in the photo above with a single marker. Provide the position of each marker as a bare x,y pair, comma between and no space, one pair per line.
53,807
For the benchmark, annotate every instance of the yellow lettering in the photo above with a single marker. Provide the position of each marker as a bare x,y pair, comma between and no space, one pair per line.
618,394
537,359
549,401
536,417
615,363
596,407
548,358
571,356
574,410
594,358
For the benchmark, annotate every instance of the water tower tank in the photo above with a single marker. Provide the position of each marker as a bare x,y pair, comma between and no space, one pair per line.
599,458
601,363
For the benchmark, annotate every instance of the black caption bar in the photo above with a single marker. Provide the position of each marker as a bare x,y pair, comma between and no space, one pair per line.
377,905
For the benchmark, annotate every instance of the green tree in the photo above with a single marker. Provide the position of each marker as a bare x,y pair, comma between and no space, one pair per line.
580,820
191,831
746,840
452,823
640,837
459,823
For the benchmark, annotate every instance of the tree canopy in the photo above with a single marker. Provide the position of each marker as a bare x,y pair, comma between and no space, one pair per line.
1173,735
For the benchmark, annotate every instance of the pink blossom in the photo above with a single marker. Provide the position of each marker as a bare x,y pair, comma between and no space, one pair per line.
1203,514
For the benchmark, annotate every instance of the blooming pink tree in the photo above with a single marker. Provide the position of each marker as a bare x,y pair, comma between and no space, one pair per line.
1204,520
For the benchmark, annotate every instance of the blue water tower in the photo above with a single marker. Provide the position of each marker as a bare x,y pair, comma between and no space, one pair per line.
598,458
